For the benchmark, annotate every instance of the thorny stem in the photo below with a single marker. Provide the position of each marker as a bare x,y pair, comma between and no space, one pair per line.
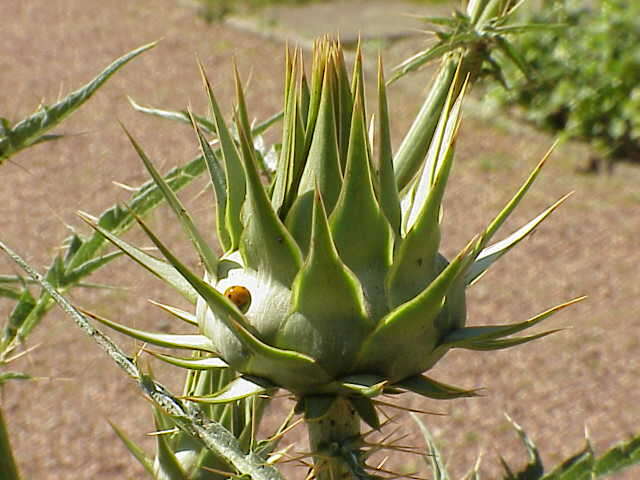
335,440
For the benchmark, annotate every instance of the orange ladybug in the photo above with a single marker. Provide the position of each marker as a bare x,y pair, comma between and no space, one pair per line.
239,296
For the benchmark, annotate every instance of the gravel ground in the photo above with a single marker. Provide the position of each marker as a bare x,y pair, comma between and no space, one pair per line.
585,376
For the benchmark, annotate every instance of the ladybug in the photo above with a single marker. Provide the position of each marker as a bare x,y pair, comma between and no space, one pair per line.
239,296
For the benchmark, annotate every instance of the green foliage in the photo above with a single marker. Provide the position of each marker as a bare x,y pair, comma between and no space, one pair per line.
584,465
479,32
33,129
585,76
28,311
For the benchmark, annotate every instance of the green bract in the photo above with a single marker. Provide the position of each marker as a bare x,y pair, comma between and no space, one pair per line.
331,283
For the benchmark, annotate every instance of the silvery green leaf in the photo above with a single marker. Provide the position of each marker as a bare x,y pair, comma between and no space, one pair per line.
208,257
31,129
179,116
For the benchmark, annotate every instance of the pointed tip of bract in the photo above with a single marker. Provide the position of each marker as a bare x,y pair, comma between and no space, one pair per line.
241,105
203,75
265,245
90,219
380,71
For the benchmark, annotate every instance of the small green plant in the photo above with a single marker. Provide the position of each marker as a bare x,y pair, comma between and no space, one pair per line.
583,75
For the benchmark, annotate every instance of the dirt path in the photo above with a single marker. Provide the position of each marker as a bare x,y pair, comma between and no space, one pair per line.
583,376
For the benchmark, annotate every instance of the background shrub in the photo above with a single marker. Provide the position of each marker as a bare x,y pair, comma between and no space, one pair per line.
584,75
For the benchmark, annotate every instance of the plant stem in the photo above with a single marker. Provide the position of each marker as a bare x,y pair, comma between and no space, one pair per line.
334,439
8,467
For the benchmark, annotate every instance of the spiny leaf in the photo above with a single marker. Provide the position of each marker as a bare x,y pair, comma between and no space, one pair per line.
497,222
438,467
529,27
296,144
357,80
208,257
31,129
73,276
117,220
345,104
23,308
512,53
491,254
31,318
578,467
467,336
417,261
429,388
323,65
179,116
535,468
502,343
193,363
452,21
219,184
422,58
235,181
9,292
191,342
168,464
188,317
241,387
8,465
304,97
621,456
436,166
241,115
135,450
161,269
363,385
116,353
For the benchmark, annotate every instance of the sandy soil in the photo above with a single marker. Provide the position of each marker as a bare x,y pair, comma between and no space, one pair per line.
585,376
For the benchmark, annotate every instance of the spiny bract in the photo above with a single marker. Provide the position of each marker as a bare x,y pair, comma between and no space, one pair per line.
331,282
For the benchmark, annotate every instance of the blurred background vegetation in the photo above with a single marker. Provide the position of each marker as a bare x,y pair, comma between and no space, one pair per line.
212,10
579,74
583,75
